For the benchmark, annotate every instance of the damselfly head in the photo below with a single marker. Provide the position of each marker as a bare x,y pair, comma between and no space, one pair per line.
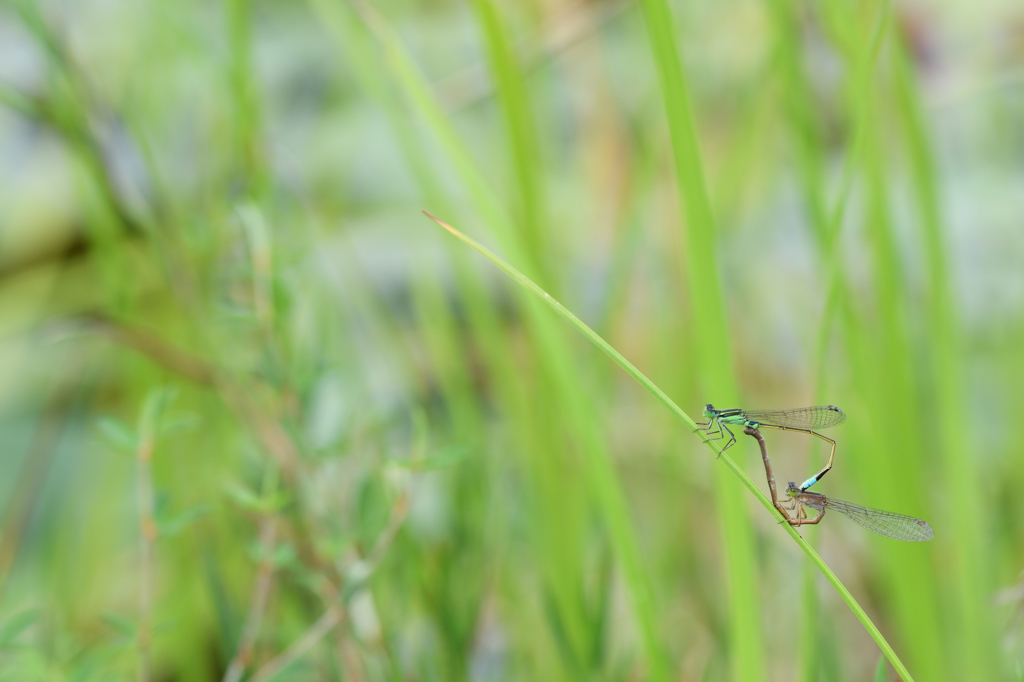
792,490
709,411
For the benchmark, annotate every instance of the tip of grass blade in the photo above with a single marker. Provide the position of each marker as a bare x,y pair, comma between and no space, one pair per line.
464,239
439,221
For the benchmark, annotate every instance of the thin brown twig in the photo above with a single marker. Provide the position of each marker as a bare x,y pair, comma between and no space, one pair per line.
268,430
156,349
358,571
260,593
331,617
277,442
147,547
368,564
351,663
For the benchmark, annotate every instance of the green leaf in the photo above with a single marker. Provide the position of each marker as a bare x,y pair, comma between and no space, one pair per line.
246,498
124,625
446,457
182,422
882,670
172,525
242,496
16,625
117,435
153,407
284,555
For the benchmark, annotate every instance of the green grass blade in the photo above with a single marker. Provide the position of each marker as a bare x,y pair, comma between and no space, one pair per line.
639,376
565,313
825,217
714,356
699,222
421,99
555,359
974,576
522,134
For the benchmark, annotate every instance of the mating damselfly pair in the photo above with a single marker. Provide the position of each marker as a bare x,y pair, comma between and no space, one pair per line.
804,420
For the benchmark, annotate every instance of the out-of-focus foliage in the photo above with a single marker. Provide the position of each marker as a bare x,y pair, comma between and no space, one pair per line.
263,420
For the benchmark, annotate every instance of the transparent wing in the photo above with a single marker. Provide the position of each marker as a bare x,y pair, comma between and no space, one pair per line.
810,418
895,526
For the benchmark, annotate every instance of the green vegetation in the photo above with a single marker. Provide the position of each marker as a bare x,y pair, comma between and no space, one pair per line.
264,421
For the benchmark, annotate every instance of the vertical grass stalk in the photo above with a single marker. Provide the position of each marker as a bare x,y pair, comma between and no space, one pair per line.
712,336
974,560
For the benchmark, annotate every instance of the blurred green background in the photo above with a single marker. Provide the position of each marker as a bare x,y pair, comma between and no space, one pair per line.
263,420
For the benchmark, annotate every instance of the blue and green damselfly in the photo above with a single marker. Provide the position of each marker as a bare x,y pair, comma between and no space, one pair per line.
802,419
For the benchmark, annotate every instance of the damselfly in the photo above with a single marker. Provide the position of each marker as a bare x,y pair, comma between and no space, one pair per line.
895,526
802,419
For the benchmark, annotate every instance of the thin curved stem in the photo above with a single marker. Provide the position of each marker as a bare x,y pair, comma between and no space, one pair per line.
639,376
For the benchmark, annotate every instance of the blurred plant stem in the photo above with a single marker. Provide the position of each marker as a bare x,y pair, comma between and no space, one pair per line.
257,603
330,618
147,532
